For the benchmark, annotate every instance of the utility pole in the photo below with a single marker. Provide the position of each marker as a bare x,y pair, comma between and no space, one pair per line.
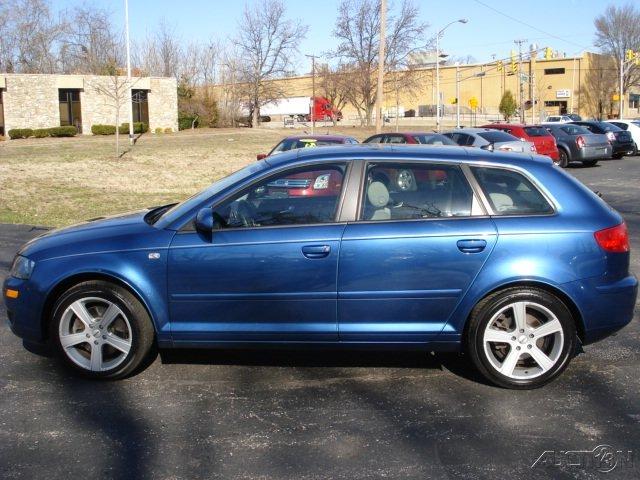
457,94
126,22
381,55
313,90
520,42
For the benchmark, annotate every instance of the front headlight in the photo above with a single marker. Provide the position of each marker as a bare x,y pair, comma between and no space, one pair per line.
22,267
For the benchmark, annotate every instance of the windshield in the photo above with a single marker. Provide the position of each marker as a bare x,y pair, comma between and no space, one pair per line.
608,127
536,131
181,208
497,136
575,130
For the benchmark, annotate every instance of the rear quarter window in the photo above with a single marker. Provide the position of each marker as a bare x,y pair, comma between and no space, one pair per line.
511,193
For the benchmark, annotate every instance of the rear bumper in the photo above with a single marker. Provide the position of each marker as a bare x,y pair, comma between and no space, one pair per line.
605,306
623,148
595,152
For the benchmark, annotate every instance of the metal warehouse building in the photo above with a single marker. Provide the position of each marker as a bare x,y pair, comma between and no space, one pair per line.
43,101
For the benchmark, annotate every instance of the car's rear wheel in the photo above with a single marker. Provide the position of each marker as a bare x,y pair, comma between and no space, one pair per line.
590,163
521,337
101,330
563,158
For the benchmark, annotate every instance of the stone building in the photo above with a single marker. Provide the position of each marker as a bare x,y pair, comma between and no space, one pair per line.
43,101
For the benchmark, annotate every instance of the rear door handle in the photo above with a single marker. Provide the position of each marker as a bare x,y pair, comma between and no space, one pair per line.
471,246
316,251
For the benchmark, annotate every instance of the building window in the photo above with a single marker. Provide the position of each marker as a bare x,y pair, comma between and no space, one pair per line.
554,71
140,105
1,115
70,109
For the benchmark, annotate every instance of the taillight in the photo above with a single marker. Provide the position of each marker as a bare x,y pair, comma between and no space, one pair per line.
580,142
611,137
614,239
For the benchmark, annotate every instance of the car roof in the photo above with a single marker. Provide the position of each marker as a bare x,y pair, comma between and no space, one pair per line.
317,137
369,151
470,130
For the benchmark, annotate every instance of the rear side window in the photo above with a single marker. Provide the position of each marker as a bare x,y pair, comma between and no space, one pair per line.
536,131
497,136
409,191
510,193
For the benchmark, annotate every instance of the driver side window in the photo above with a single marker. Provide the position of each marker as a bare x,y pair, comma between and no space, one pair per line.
307,195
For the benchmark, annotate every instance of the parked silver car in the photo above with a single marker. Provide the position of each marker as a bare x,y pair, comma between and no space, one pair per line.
489,139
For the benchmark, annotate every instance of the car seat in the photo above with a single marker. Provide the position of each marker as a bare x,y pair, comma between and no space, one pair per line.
377,202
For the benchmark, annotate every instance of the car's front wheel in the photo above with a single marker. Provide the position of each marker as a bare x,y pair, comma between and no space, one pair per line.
101,330
521,337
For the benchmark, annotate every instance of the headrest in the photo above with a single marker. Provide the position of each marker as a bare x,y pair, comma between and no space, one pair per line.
378,194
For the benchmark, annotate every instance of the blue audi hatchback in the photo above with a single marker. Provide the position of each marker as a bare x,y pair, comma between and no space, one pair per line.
502,256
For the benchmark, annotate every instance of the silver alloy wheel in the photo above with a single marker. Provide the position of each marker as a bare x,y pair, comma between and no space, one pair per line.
95,334
404,180
523,340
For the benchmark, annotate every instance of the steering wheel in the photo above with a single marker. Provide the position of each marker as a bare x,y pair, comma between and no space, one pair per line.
242,213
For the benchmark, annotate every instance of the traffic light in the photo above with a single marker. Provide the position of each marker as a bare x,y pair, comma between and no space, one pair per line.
548,53
629,55
500,66
514,64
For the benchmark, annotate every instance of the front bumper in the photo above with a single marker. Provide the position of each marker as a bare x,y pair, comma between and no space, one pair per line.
23,312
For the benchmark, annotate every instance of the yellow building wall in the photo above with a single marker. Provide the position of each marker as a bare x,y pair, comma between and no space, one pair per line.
552,91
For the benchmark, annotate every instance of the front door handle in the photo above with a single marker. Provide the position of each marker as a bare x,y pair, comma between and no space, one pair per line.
471,246
316,251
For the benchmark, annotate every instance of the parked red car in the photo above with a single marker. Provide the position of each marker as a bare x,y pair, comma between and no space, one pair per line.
545,142
413,138
320,183
307,141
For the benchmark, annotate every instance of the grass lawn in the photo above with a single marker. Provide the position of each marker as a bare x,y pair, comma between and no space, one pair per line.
57,182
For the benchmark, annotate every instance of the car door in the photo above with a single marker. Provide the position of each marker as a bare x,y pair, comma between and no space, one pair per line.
420,239
269,273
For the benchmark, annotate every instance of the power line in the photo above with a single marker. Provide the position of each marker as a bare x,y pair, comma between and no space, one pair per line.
528,25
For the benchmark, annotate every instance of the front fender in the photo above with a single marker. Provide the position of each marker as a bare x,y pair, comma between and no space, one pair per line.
144,276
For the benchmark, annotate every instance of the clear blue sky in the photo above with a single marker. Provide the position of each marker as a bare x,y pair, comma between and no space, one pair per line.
487,32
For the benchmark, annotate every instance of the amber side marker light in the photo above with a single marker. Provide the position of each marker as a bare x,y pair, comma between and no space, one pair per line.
9,293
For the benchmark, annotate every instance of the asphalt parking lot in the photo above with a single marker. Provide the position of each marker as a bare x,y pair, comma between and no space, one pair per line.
319,414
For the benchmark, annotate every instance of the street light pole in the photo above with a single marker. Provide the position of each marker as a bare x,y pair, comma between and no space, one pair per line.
381,55
126,22
438,35
457,94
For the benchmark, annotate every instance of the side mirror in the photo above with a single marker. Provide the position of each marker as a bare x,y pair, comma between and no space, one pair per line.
489,147
261,156
207,221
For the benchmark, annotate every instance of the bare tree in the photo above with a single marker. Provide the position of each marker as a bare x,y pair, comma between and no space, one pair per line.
618,30
267,43
599,85
31,37
90,43
358,31
115,91
335,85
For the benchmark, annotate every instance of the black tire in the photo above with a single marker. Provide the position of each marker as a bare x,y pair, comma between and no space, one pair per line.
563,158
590,163
142,338
492,304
